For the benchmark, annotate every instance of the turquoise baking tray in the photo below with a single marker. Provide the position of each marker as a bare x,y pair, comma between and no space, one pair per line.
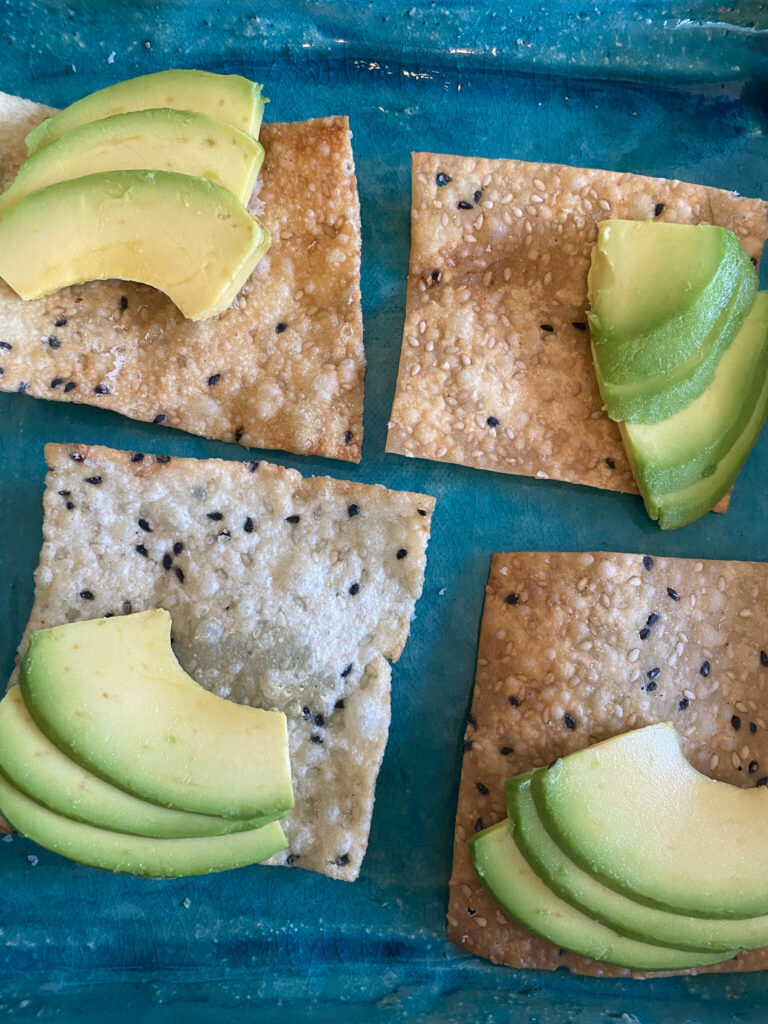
674,89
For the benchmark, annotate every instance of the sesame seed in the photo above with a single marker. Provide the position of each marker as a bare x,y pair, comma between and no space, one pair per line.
279,328
95,480
239,433
56,381
64,494
492,421
343,860
292,519
763,781
736,722
354,589
471,911
651,687
319,720
472,720
654,673
145,526
54,342
704,670
60,321
477,196
579,325
253,466
673,593
142,550
339,705
160,418
77,457
123,302
467,746
345,671
683,704
752,728
162,458
167,561
647,562
69,386
316,738
610,462
570,722
214,379
306,713
86,595
248,525
659,209
753,766
506,751
353,510
348,437
764,659
547,328
215,516
645,633
101,389
70,505
479,825
23,387
436,275
401,554
652,619
137,457
421,511
463,205
514,701
5,346
482,789
512,598
178,547
442,179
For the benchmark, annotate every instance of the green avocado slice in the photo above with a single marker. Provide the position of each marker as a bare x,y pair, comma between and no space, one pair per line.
111,694
624,915
229,98
136,855
635,814
41,771
647,375
185,236
690,445
160,140
518,890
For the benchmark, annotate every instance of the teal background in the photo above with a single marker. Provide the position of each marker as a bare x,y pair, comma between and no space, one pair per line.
675,89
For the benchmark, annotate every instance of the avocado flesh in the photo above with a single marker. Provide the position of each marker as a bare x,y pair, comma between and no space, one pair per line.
632,812
518,890
111,695
136,855
624,915
185,236
649,377
229,98
41,771
678,451
152,140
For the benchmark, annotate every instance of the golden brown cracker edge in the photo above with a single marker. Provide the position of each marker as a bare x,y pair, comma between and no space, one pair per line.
282,368
495,369
562,664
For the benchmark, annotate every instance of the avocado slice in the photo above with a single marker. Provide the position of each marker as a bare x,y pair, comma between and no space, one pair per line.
111,695
635,814
659,332
161,140
45,774
229,98
186,236
519,891
136,855
624,915
743,393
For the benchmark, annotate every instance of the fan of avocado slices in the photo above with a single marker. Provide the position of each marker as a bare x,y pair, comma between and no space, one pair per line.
680,344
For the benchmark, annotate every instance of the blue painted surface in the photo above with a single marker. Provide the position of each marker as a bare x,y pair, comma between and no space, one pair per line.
675,89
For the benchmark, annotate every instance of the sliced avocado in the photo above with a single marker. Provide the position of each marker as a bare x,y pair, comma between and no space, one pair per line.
111,695
677,508
637,816
678,451
150,140
186,236
136,855
228,98
519,891
649,372
624,915
46,775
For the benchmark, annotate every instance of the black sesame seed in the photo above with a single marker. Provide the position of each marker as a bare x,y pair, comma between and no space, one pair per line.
54,342
647,562
123,302
2,371
653,673
343,860
60,321
319,720
492,421
77,457
137,457
290,860
167,561
215,516
610,463
348,437
548,328
69,386
436,275
652,619
659,209
345,671
23,387
645,633
339,705
86,595
472,720
160,418
354,589
753,766
142,550
162,459
95,480
5,346
753,261
316,738
101,389
514,701
401,554
479,826
279,328
468,744
506,751
683,704
353,510
478,196
578,325
764,659
248,525
736,722
145,526
442,179
214,379
570,722
178,547
292,519
762,781
306,712
482,789
179,574
70,505
64,494
223,533
463,205
512,598
673,593
471,911
421,511
253,466
651,687
56,381
752,728
239,433
704,670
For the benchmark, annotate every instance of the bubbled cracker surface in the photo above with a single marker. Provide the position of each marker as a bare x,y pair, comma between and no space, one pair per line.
481,284
569,645
300,389
297,616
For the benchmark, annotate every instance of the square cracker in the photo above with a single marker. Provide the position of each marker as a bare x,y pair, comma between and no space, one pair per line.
496,370
285,592
561,665
300,390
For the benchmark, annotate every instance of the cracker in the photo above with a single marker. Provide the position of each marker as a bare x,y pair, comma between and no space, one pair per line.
287,593
496,370
560,637
281,368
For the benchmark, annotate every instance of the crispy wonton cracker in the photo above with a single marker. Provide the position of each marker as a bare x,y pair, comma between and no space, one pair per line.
285,592
282,368
496,370
562,664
